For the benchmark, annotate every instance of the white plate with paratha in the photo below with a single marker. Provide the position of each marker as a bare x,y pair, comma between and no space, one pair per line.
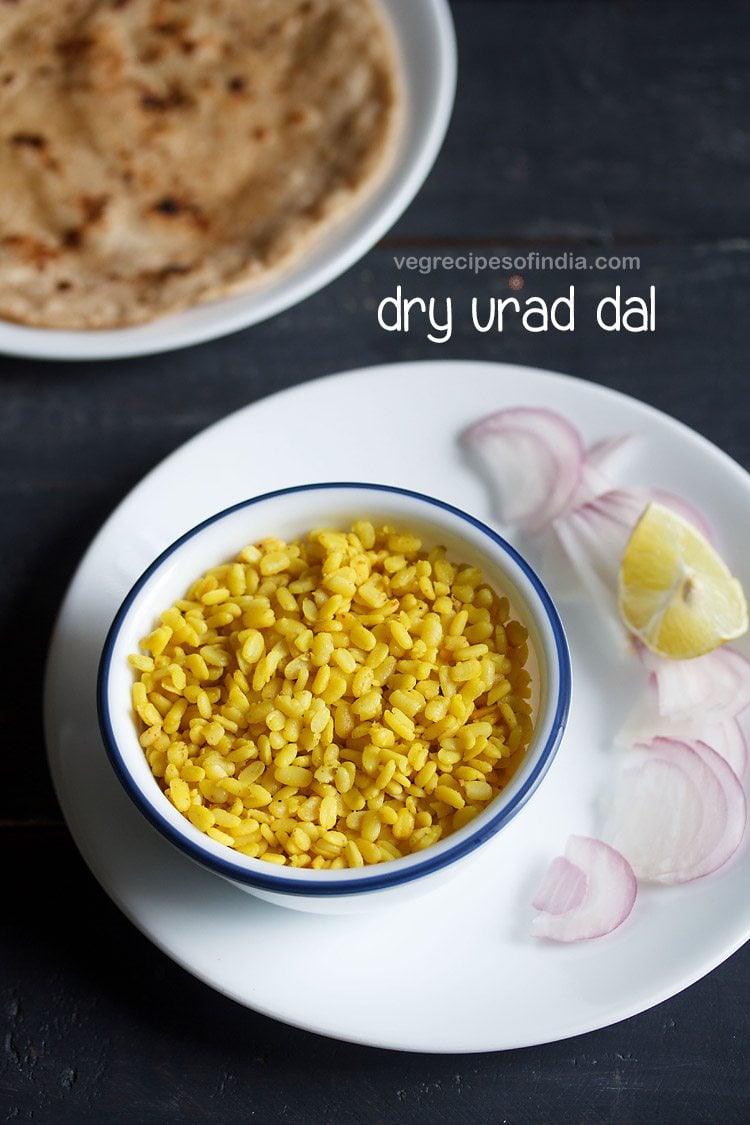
118,269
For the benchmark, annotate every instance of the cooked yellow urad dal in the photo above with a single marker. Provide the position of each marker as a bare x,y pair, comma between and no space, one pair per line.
159,153
336,701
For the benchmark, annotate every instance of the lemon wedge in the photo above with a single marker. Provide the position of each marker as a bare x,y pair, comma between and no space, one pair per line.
675,592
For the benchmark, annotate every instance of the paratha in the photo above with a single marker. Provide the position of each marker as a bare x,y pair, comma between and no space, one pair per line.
159,153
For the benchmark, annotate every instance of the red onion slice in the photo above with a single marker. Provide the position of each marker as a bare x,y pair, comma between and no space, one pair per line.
600,463
728,739
595,533
736,818
609,885
684,508
555,568
723,733
679,814
594,536
607,454
562,889
717,684
533,458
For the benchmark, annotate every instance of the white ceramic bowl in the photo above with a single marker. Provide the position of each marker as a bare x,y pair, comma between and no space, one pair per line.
426,43
290,513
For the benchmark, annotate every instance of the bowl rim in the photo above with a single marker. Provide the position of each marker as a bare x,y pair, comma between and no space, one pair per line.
377,876
345,242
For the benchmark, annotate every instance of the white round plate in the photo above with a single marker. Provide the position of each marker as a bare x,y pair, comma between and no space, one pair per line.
457,969
424,35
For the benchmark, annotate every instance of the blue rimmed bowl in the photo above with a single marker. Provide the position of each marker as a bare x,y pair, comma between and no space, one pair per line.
290,513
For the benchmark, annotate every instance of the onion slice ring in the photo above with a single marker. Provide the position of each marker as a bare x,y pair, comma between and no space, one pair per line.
723,733
717,684
532,458
679,813
596,881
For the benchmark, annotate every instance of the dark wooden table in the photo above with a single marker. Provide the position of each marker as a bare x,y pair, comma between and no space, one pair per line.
579,127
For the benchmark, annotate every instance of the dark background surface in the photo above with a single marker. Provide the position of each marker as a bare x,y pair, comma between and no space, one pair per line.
579,127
